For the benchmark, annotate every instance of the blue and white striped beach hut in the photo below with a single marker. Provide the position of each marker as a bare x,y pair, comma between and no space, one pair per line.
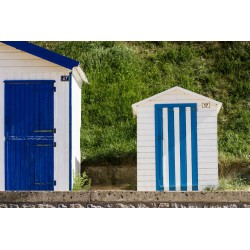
177,141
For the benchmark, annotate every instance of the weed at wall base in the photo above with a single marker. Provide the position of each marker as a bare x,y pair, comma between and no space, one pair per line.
81,182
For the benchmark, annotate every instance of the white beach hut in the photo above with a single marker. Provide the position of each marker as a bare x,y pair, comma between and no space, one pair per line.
40,118
177,141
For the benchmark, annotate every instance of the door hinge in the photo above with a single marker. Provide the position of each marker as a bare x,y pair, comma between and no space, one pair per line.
54,130
54,89
54,144
54,183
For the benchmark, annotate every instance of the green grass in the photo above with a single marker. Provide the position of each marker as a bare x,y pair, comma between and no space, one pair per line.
122,73
233,183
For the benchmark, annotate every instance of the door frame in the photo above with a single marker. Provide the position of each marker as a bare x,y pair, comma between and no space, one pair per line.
7,185
159,144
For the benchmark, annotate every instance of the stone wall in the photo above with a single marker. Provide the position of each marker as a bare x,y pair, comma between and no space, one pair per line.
124,199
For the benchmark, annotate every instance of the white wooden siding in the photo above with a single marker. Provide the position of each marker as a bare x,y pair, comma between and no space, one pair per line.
145,188
145,166
61,159
147,172
28,67
76,127
206,135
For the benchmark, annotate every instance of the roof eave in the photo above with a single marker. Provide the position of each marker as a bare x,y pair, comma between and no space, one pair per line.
79,75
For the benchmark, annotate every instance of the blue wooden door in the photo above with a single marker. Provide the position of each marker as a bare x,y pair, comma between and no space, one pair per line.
176,147
29,135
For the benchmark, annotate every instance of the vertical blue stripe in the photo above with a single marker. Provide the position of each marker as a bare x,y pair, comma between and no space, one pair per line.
183,148
158,149
161,146
6,121
194,149
52,153
70,131
171,149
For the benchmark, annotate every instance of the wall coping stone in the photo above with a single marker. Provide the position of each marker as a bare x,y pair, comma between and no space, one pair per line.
124,196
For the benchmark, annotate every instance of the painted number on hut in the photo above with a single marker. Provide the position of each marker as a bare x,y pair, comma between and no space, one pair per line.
206,105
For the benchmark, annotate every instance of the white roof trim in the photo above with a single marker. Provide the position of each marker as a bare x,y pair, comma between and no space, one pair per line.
79,75
135,105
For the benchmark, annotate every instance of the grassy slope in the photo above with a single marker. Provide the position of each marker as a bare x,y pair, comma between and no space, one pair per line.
122,73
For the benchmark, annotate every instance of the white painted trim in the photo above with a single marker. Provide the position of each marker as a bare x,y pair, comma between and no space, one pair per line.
177,149
76,129
165,150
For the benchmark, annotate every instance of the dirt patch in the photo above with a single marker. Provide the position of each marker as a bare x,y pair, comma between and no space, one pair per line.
106,177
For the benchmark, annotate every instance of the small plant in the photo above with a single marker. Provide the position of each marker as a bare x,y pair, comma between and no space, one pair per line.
81,182
210,188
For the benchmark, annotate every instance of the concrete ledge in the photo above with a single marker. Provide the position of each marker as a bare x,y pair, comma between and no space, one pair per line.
125,199
45,197
140,196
